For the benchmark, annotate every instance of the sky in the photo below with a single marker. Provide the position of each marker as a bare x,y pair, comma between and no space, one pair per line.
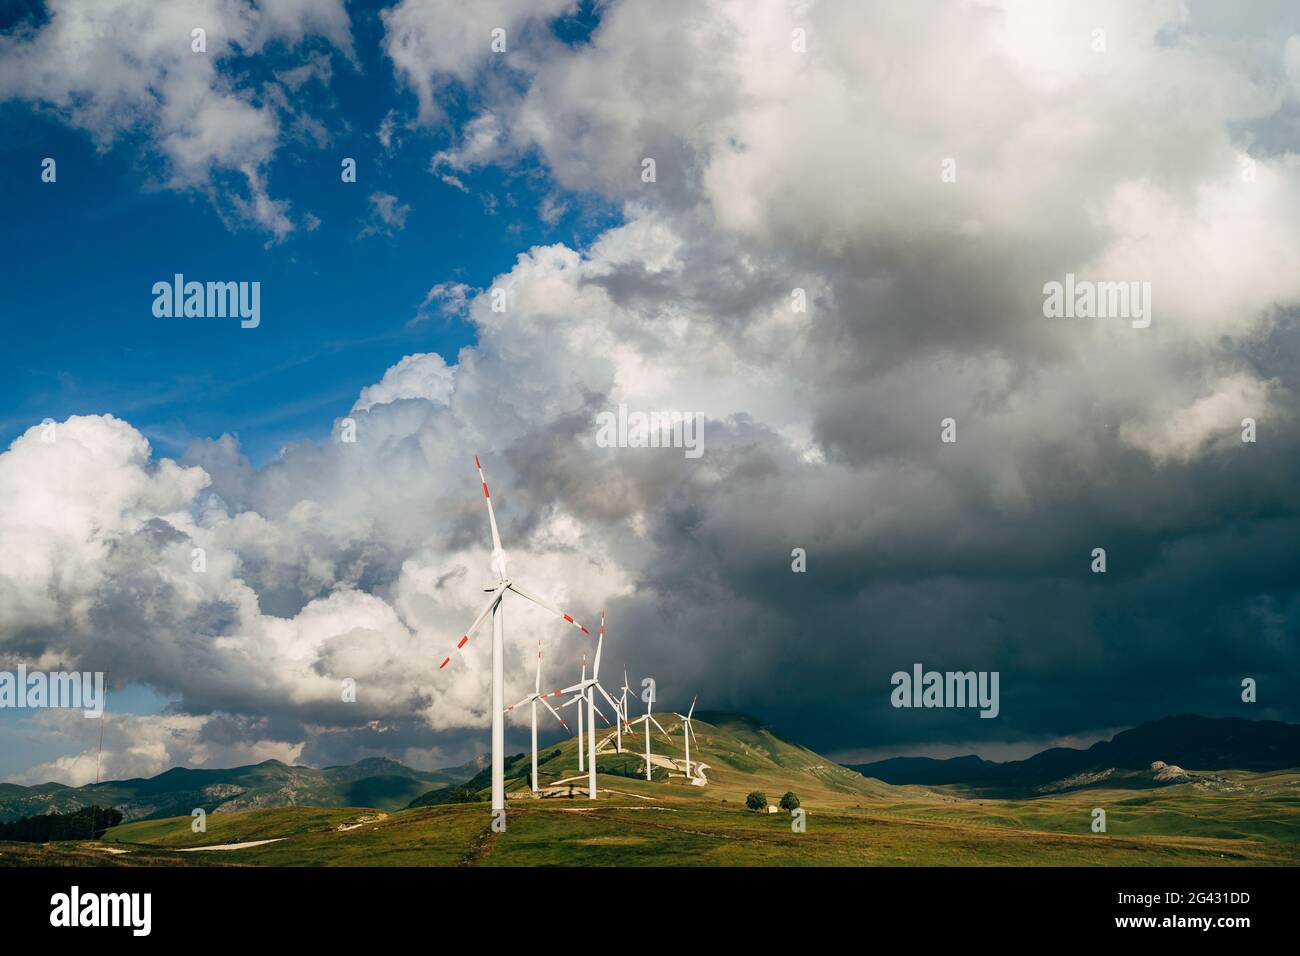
853,215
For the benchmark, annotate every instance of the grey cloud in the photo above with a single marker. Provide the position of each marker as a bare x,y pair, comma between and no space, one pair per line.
823,427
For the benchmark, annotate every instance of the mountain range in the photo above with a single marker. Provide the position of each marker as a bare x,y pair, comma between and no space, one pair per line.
1186,741
373,782
1185,749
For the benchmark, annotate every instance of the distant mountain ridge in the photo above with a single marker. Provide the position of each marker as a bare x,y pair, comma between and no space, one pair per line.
373,782
1188,740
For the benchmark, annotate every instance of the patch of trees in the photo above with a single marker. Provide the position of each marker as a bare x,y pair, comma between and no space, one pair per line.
87,823
757,800
627,765
444,795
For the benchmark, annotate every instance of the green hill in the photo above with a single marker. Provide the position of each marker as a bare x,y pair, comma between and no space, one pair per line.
738,751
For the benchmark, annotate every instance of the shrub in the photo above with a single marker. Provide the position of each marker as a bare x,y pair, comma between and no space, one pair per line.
756,801
789,801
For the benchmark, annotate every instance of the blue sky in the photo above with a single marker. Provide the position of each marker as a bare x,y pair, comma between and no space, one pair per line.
338,306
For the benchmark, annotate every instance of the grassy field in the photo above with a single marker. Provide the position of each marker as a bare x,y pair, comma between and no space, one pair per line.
851,821
685,829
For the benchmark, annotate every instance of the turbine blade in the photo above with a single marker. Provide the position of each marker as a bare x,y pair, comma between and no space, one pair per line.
555,712
612,702
497,551
547,605
661,730
478,621
690,712
519,703
595,666
601,713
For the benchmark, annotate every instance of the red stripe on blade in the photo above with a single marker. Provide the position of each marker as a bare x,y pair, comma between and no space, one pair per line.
462,642
444,663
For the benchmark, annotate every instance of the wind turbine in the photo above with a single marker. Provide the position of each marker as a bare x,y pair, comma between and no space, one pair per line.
498,592
648,718
587,688
577,699
687,733
580,698
533,698
622,709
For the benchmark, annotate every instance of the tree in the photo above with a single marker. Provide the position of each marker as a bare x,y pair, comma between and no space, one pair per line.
789,801
756,800
82,824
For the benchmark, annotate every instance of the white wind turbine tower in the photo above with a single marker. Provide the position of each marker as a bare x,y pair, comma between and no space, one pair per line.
622,710
648,718
533,699
687,733
587,688
578,699
498,591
